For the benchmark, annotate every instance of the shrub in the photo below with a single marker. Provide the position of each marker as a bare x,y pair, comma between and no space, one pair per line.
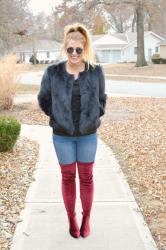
163,60
33,59
8,80
156,58
9,132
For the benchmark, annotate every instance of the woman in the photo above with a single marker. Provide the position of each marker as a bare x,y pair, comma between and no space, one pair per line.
72,94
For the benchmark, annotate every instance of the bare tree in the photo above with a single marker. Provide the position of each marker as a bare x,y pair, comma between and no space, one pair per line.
70,11
120,18
140,33
100,25
13,16
138,9
155,18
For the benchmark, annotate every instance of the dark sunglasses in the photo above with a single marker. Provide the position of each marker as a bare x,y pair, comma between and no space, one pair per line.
70,50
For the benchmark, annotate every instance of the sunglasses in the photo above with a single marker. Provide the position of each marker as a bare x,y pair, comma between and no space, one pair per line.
70,50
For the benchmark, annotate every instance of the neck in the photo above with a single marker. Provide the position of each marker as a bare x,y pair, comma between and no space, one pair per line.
75,66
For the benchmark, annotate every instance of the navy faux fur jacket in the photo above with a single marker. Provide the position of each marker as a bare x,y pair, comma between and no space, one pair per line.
55,95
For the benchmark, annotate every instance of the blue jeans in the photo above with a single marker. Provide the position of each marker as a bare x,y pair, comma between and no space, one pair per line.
70,149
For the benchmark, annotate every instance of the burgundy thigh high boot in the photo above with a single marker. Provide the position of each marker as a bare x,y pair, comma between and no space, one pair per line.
85,171
69,196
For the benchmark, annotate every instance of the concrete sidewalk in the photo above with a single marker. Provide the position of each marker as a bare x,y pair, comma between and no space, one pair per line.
116,222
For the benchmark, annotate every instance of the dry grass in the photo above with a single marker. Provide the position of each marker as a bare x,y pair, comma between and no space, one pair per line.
28,113
16,175
130,69
25,67
8,80
134,128
27,89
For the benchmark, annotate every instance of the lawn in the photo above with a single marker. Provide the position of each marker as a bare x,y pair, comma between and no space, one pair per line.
130,69
25,67
118,69
135,129
123,71
16,175
27,89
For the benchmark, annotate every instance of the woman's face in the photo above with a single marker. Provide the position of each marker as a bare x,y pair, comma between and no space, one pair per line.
76,57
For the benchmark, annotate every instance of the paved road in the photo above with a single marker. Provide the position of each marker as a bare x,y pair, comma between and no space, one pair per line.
136,88
112,87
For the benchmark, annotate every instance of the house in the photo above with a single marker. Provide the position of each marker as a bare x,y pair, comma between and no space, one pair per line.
122,47
163,49
108,48
46,51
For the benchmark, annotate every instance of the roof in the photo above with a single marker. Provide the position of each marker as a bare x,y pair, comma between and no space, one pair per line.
132,37
120,40
96,37
109,40
109,46
121,36
39,45
163,43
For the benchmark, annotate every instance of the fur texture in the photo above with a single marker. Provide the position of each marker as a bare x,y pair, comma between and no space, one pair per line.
55,95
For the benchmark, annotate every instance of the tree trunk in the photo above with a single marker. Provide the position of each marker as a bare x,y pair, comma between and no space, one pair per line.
133,22
140,34
34,56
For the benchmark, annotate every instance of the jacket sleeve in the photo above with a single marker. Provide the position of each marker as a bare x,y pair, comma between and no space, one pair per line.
44,95
102,94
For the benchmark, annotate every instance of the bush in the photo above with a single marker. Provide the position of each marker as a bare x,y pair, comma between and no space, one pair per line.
33,59
9,132
156,58
163,60
8,80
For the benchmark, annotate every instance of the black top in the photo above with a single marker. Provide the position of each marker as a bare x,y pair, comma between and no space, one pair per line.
75,106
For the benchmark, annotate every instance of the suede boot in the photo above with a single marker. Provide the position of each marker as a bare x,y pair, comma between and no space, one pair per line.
85,171
68,172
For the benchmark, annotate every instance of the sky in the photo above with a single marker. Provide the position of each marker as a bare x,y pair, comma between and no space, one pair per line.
45,5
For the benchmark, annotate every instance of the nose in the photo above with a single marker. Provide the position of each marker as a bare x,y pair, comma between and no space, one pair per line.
74,52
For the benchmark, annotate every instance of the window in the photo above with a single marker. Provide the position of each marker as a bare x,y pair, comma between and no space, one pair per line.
156,49
135,50
48,54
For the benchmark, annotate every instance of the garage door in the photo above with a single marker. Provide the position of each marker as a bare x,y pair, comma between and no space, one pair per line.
109,56
115,56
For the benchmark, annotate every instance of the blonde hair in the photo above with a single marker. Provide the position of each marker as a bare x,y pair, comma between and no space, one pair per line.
79,32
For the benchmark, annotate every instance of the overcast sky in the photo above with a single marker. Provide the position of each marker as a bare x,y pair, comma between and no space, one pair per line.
44,5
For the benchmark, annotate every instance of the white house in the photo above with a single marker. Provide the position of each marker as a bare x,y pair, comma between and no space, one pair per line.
163,49
45,50
108,48
122,47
